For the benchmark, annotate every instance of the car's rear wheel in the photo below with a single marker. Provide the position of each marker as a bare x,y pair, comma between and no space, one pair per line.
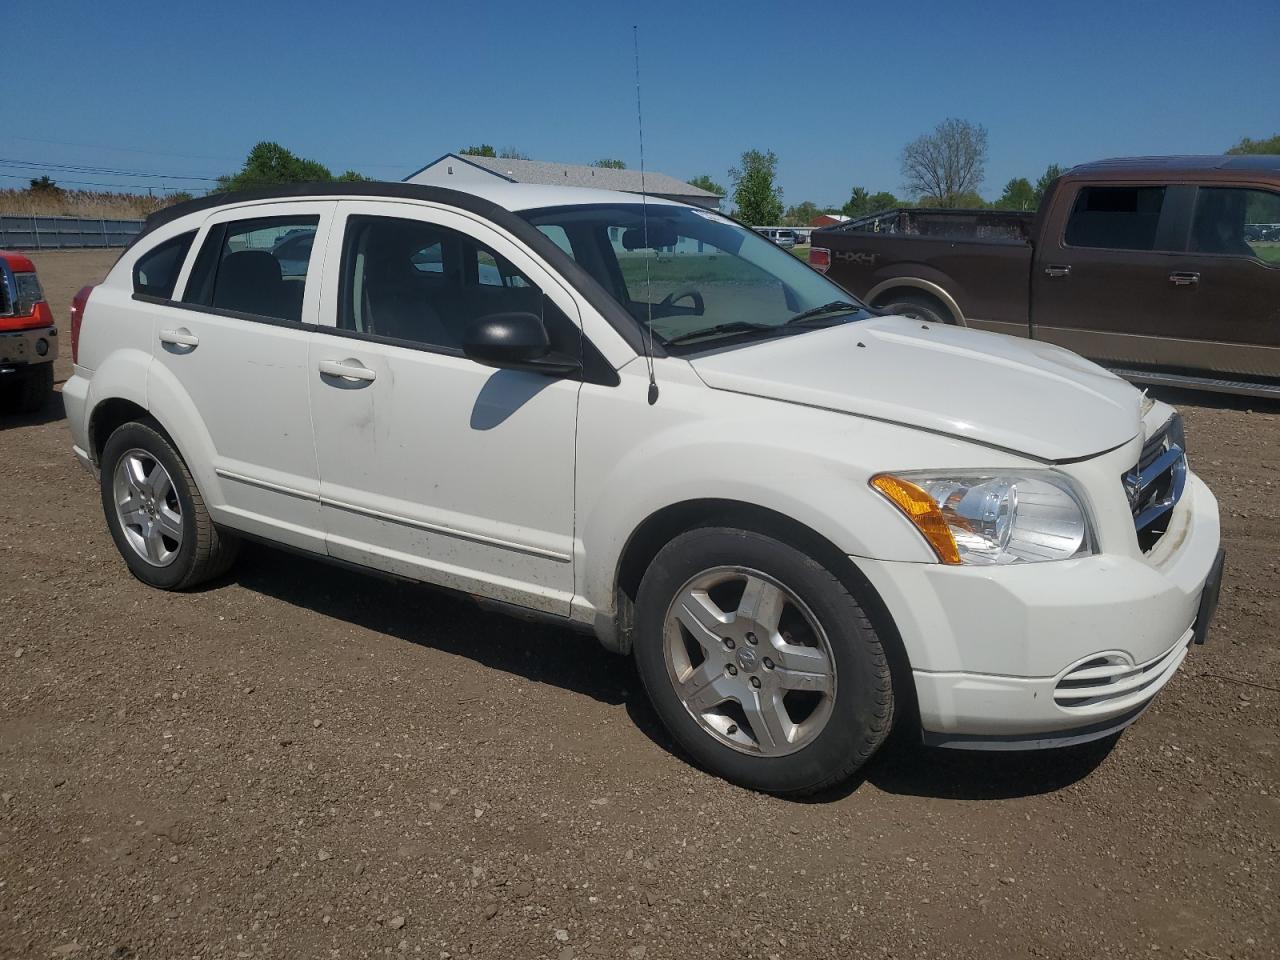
760,661
918,307
156,514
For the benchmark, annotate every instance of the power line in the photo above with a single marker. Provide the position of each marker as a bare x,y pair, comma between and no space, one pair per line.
99,146
94,183
102,171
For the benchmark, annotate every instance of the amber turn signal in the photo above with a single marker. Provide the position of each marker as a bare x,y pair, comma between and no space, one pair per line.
921,510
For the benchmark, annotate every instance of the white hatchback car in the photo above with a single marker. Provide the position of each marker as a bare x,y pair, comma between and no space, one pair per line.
807,521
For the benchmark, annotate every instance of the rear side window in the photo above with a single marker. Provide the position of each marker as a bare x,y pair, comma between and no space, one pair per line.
1116,218
156,273
255,267
1237,222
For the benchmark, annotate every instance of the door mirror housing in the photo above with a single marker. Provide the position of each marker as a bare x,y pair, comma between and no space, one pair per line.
515,341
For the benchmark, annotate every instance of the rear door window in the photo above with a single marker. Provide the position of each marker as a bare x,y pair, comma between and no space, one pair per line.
156,273
1237,222
255,267
1115,218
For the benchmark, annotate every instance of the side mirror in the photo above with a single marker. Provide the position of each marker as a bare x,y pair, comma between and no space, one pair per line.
514,341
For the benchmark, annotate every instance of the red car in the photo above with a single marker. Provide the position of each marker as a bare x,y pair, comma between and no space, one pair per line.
28,337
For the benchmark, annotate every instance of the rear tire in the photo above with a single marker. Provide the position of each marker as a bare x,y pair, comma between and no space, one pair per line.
919,307
35,387
787,690
156,514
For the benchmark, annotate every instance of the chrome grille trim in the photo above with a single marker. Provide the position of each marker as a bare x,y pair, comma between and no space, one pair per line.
1156,483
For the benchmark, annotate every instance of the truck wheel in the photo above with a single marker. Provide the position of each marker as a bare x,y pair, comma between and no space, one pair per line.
156,514
760,662
918,307
35,386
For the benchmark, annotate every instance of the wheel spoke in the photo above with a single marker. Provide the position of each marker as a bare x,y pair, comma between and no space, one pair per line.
768,718
134,475
160,483
702,618
154,543
706,686
762,603
802,668
169,522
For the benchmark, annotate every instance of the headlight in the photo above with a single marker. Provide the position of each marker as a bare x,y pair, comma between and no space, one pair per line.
992,518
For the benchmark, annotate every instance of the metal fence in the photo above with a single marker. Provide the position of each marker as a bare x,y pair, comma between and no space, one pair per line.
65,233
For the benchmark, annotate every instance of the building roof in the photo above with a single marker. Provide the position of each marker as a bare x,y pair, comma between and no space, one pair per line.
576,175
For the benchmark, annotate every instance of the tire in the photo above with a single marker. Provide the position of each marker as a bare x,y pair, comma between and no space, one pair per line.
919,307
35,387
190,548
831,734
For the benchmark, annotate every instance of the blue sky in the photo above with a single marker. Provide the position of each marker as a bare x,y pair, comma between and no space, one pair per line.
835,89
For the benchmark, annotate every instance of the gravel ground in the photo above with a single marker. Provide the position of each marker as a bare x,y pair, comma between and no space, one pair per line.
299,761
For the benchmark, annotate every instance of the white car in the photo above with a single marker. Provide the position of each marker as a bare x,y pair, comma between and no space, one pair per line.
805,521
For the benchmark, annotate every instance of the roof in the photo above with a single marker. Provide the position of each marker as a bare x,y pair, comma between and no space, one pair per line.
576,175
1229,166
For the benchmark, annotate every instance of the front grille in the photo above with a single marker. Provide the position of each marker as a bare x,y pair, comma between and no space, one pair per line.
1155,483
1109,678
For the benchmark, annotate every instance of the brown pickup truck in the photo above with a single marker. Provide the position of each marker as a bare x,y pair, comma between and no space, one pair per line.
1165,269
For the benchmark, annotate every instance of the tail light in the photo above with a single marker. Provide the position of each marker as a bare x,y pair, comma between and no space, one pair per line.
78,303
820,259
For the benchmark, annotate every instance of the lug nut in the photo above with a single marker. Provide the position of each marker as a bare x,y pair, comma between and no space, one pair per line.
733,671
751,639
733,728
768,664
728,642
755,682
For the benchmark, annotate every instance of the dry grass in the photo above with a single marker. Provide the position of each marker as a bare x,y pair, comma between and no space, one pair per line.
79,203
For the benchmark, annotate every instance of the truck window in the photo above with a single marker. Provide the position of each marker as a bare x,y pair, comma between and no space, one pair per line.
1237,222
1117,218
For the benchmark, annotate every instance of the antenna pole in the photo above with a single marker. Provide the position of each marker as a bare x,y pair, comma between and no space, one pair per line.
644,208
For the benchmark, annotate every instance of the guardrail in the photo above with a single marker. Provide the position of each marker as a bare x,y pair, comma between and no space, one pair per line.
65,233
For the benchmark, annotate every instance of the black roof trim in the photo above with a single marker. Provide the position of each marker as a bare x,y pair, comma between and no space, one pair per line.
608,307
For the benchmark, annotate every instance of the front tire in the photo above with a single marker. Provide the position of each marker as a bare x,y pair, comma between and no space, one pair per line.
760,662
156,514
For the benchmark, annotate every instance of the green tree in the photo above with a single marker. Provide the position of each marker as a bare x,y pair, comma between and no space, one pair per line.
755,190
948,165
857,205
480,150
610,164
1018,194
884,200
1051,173
704,182
1246,145
511,153
269,163
801,214
45,185
350,176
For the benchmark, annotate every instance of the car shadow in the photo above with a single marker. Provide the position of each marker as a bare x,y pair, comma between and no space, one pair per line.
51,412
573,661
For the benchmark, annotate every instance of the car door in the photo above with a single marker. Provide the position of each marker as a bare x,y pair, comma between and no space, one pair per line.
234,348
431,465
1100,279
1225,301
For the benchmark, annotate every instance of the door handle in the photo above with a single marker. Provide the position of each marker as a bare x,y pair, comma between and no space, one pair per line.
1184,278
182,337
1057,270
348,369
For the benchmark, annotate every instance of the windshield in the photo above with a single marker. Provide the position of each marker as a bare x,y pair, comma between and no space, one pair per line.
702,278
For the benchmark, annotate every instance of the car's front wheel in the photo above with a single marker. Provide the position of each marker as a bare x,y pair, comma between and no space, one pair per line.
761,662
156,514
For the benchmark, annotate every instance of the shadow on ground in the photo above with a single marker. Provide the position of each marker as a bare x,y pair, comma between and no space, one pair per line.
543,653
52,411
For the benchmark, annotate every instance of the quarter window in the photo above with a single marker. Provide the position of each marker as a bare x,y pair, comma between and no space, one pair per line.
156,273
419,283
1237,222
1116,218
255,267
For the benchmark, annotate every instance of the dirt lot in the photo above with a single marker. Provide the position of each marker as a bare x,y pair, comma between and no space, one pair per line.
302,762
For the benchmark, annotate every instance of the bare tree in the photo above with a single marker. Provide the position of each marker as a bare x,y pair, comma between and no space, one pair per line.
948,163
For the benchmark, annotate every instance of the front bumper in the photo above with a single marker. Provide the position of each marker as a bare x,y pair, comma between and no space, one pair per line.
1041,655
21,348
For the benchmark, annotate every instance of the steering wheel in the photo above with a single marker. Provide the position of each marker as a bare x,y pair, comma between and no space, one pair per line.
669,302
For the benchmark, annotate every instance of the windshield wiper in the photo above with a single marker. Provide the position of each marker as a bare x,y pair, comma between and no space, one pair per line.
835,306
737,326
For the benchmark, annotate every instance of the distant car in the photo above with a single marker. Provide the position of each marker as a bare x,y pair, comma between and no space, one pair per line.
293,251
783,238
28,337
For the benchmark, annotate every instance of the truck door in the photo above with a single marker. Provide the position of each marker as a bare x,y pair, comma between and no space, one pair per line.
1101,277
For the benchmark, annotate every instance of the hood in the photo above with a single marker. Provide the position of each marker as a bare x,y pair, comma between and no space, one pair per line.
1020,395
